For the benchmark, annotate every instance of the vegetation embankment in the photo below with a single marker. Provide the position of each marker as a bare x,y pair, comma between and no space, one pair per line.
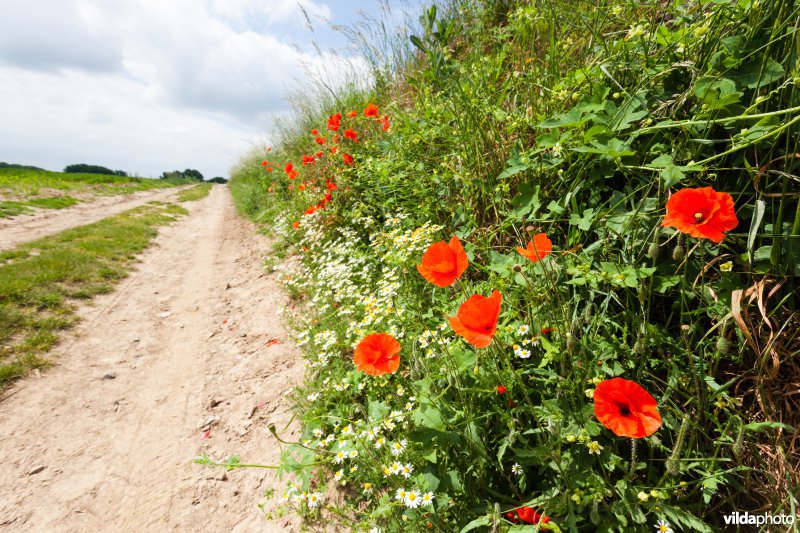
550,263
42,281
192,194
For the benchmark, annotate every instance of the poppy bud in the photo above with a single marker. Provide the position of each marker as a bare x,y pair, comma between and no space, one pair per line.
738,444
723,345
638,347
678,253
672,462
572,342
652,251
516,268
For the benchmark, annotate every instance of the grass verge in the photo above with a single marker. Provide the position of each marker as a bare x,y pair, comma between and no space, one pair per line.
41,281
12,208
192,194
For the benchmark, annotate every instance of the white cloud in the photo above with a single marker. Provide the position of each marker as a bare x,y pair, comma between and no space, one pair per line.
148,85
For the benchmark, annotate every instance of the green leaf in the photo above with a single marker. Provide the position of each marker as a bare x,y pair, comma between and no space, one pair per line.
761,426
428,416
755,224
478,522
377,410
687,520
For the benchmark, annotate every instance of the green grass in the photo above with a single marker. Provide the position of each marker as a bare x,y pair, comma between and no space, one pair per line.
12,208
41,281
198,192
27,183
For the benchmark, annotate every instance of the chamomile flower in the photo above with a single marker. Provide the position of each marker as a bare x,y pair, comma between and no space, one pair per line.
413,499
427,499
312,397
398,447
409,406
380,441
400,390
313,499
662,526
523,329
353,454
338,475
516,469
400,494
340,456
348,430
318,432
367,488
406,470
396,468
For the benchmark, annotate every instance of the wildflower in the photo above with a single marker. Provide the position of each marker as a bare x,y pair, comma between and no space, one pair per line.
353,454
516,469
727,266
348,430
476,319
348,159
295,224
340,457
527,515
625,408
589,393
427,499
264,163
289,168
334,122
412,499
400,494
523,329
701,212
367,488
442,263
643,496
352,113
371,111
400,391
314,499
406,470
377,354
380,441
594,447
571,438
318,432
338,475
319,140
501,390
398,447
351,134
395,468
662,526
385,123
538,248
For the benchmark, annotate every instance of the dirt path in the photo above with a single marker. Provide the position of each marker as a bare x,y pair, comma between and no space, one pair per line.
187,337
24,228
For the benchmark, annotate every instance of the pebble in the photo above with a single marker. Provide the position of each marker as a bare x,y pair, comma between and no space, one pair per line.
110,375
36,470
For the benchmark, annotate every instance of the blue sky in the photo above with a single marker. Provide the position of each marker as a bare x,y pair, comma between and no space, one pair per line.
151,85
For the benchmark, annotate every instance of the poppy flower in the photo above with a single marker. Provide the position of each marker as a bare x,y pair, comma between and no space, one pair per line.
320,140
625,408
348,159
701,213
443,262
332,186
371,111
350,134
385,123
334,149
531,516
269,149
319,154
476,319
308,160
269,169
327,197
314,132
292,174
295,224
377,354
501,390
310,210
352,113
538,248
301,187
334,122
289,168
264,163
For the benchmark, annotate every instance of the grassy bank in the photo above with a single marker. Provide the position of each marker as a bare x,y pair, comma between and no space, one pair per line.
622,179
42,281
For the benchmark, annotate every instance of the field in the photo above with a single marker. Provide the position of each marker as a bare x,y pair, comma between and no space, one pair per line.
548,271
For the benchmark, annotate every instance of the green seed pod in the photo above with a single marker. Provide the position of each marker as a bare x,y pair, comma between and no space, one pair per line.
672,463
723,345
572,342
638,347
738,444
652,251
678,252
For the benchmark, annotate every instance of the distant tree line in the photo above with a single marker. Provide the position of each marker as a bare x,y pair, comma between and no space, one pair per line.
83,168
22,167
218,179
189,173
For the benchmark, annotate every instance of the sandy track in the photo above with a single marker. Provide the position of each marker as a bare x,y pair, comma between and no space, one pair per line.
24,228
117,453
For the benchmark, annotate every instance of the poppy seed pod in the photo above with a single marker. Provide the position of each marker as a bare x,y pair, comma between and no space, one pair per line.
652,251
678,252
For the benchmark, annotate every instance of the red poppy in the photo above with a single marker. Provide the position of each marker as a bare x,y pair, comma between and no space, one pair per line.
443,262
350,134
332,186
310,210
327,197
269,169
385,123
295,224
319,154
348,159
320,140
288,168
501,390
371,111
308,160
377,354
334,149
269,149
546,330
314,132
538,248
352,113
701,213
301,187
625,408
334,122
476,319
292,174
529,516
264,163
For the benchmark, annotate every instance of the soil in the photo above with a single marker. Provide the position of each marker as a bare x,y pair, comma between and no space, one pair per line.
22,228
189,355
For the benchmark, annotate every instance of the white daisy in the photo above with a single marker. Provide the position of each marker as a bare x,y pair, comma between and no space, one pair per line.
367,489
338,475
398,447
427,498
662,526
516,469
400,494
313,499
380,441
406,470
413,499
523,329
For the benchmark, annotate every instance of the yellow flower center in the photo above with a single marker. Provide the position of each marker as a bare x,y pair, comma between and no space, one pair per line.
698,216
